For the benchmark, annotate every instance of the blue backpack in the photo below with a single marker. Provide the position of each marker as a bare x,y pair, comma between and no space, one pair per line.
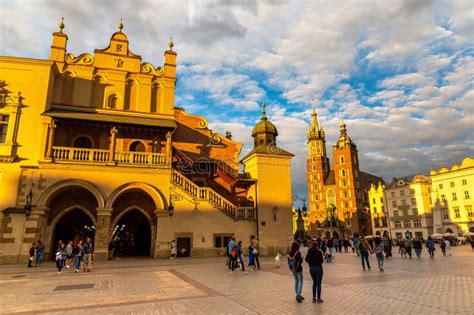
292,264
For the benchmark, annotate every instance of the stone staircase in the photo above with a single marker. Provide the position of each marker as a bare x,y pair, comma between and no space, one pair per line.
197,193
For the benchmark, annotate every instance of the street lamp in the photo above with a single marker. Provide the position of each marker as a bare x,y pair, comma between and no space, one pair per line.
171,207
29,199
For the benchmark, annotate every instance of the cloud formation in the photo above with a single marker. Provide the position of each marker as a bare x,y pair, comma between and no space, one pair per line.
400,73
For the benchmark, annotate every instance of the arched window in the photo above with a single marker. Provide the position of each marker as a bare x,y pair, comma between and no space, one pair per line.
341,159
82,142
112,101
137,146
343,172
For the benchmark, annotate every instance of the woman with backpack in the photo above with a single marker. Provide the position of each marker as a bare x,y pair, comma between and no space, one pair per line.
364,249
295,263
379,253
315,259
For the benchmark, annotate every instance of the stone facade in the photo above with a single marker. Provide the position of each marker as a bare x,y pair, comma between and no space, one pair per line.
94,143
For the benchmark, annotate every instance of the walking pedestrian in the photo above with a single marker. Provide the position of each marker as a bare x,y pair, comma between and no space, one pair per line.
256,253
447,245
233,258
174,250
346,245
69,256
356,242
379,254
60,257
88,251
351,242
442,245
401,248
77,252
230,247
295,264
430,245
315,261
240,256
409,246
111,249
251,258
331,249
364,249
387,245
32,255
39,253
336,244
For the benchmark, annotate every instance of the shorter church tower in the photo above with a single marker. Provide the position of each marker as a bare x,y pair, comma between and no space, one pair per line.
271,167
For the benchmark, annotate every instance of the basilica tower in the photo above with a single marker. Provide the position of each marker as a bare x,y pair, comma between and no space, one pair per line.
317,167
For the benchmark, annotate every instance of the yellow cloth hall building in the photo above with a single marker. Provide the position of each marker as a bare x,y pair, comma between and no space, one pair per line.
93,145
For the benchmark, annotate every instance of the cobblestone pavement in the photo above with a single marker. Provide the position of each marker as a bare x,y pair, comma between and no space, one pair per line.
204,286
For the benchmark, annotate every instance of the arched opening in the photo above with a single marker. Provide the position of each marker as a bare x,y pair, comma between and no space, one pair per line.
74,225
137,146
82,142
112,101
132,234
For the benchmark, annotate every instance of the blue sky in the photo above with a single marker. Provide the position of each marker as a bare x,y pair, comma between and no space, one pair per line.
400,73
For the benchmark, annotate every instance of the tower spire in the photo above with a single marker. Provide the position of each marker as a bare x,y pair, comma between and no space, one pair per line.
61,25
264,114
120,25
314,117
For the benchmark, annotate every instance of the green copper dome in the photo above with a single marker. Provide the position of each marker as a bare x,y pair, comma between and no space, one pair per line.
264,125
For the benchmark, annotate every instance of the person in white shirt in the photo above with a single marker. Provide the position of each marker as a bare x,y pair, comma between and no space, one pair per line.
448,247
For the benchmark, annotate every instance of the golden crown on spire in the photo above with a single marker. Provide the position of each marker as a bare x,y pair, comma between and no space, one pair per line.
170,44
264,114
120,25
61,24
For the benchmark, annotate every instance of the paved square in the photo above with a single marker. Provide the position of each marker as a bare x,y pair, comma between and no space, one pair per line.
204,286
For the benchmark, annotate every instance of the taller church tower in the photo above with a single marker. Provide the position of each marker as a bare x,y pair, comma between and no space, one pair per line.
317,168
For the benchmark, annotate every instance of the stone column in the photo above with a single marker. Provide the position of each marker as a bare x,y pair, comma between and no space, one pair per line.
113,137
102,233
49,148
168,147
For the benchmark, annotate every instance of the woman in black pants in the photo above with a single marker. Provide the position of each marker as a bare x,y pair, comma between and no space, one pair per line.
314,258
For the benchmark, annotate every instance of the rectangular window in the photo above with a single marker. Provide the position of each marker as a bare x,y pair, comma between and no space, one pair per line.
455,197
375,209
415,211
392,194
381,199
417,223
402,193
221,240
445,214
394,203
451,184
384,221
466,194
443,198
440,186
403,202
395,213
419,235
383,209
373,200
405,213
457,214
398,225
3,127
464,181
412,191
469,212
413,201
406,224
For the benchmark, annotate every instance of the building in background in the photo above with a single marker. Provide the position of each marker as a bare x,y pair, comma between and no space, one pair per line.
93,145
378,207
338,196
452,196
409,206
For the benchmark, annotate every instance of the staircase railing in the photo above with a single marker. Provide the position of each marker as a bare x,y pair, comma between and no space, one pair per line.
215,199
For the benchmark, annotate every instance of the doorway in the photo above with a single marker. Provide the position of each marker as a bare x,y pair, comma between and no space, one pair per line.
184,246
132,235
74,225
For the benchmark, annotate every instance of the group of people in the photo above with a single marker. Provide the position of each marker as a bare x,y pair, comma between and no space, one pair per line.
314,258
235,255
66,254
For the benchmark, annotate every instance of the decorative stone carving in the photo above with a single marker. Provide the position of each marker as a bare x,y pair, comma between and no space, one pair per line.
82,59
148,68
